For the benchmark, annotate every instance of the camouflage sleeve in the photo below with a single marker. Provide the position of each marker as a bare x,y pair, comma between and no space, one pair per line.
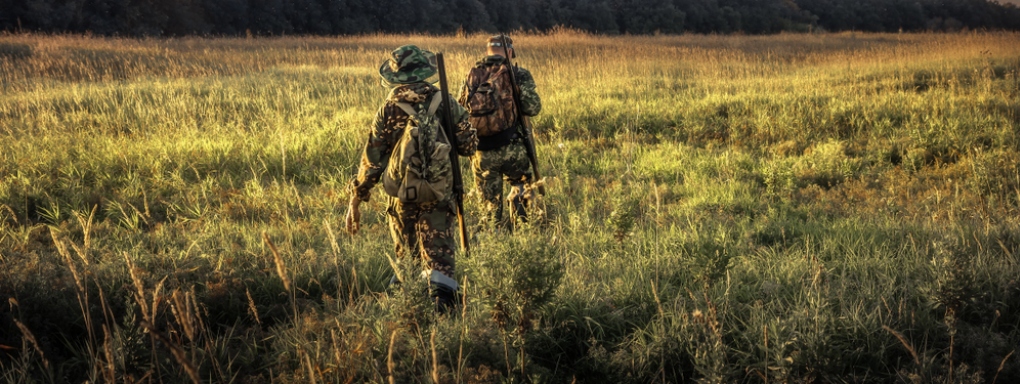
462,95
532,104
385,133
467,138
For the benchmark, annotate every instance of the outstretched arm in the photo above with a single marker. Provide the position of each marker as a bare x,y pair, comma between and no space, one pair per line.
383,137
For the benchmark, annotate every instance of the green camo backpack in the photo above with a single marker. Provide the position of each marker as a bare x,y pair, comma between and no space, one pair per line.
420,170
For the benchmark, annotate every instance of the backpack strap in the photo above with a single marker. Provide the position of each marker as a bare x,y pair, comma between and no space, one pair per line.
433,107
407,108
436,100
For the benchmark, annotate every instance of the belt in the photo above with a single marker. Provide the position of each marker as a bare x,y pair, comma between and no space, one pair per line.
499,140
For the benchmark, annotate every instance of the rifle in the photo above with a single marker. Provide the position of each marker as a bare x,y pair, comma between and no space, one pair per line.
451,135
529,139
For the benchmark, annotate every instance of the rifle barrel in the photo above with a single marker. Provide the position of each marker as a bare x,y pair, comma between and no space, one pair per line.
451,135
529,138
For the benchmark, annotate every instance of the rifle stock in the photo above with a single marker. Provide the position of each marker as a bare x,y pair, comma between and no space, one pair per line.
529,139
451,135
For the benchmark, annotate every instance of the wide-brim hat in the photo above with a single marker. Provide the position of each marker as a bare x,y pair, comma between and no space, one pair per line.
408,64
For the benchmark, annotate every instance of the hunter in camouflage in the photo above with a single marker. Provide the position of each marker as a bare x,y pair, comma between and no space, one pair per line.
501,155
424,231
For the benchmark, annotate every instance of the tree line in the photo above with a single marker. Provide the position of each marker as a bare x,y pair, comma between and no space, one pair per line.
342,17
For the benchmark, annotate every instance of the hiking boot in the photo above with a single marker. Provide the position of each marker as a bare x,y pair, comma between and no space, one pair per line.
445,299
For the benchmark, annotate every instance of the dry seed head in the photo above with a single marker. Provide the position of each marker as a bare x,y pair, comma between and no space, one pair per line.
281,268
31,340
252,309
196,309
1002,365
658,303
182,312
396,267
82,253
903,341
332,237
111,368
11,211
157,298
139,288
61,247
86,227
62,250
179,354
336,347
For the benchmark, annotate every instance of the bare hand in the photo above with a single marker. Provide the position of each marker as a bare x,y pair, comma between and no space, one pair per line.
353,219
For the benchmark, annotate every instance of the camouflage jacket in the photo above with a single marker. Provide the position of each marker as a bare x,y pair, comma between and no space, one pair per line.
531,103
389,126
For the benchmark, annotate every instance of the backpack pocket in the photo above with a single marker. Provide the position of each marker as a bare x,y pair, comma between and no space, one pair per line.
483,101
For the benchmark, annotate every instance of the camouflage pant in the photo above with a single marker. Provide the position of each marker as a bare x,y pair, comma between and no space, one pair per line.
491,168
425,231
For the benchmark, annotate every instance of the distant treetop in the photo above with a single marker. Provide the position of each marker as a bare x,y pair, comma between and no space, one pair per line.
344,17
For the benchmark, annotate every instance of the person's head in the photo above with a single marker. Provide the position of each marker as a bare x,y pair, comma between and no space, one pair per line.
408,64
495,46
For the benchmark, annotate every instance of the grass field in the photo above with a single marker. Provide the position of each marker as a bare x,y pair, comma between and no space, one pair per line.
788,208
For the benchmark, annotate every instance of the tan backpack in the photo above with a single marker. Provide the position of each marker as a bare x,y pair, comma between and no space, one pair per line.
420,170
490,99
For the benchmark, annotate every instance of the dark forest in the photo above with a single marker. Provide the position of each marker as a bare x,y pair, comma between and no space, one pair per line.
346,17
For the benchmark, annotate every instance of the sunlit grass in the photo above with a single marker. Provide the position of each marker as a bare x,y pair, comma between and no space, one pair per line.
834,207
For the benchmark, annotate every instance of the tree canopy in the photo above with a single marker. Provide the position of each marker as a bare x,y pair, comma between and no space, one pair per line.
341,17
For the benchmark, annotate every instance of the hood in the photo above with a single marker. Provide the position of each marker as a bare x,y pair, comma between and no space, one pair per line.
414,93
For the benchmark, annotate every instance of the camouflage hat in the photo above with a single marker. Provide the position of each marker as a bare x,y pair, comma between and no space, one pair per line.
408,64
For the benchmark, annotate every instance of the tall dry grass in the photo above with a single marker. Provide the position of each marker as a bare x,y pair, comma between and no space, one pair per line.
831,207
